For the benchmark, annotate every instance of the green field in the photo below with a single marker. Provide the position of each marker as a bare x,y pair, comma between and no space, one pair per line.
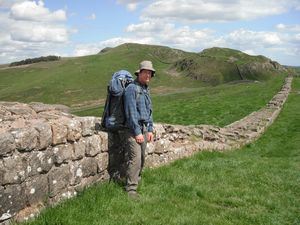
258,184
219,105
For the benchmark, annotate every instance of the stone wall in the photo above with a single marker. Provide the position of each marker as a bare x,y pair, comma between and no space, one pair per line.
48,154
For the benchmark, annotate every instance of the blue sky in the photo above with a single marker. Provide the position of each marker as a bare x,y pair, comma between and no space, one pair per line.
75,28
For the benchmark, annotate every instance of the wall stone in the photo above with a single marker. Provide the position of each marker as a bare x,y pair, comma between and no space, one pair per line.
48,154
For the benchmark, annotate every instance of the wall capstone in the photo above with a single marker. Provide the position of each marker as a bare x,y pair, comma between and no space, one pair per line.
48,154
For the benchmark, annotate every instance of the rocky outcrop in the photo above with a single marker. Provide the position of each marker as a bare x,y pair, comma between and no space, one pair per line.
48,154
261,68
221,65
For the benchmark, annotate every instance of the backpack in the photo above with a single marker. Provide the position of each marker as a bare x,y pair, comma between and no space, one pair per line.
113,117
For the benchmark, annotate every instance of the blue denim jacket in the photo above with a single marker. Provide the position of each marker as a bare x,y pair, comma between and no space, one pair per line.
138,108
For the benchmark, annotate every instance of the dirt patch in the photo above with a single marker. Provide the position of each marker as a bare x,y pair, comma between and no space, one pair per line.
13,67
87,105
73,91
162,90
172,73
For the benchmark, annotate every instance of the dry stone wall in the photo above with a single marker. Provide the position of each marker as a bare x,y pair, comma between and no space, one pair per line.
48,154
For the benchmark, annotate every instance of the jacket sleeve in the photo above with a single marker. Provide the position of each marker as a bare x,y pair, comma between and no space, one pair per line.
130,106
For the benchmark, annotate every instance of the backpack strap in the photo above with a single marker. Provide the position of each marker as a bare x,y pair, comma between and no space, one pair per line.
138,91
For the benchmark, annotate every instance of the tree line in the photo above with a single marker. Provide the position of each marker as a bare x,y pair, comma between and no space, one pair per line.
36,60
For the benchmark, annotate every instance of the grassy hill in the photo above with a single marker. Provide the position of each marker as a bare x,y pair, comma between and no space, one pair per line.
82,81
77,80
220,65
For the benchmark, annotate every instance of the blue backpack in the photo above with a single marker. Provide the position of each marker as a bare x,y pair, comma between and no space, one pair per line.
113,117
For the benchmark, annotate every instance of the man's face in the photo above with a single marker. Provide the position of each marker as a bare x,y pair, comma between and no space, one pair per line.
145,76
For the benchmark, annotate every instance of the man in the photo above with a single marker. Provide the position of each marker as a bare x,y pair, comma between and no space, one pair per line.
138,111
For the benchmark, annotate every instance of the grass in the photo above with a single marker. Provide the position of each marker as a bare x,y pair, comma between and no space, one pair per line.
219,105
73,81
258,184
80,80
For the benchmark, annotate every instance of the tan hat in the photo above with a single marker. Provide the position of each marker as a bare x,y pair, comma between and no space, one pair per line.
145,65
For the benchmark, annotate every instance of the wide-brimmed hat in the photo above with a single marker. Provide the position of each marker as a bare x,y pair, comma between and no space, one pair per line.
145,65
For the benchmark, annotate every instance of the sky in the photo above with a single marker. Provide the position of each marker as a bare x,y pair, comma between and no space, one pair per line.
83,27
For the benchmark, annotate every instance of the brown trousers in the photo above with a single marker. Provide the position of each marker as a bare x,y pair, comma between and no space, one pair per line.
126,158
136,159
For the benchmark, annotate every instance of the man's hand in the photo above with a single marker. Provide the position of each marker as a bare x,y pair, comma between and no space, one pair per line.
139,139
150,136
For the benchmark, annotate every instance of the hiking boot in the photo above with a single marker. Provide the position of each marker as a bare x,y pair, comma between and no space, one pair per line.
133,195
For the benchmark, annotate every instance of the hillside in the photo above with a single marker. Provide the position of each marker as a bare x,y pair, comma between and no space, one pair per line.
220,65
77,81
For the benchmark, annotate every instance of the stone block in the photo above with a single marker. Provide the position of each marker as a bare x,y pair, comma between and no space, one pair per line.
62,153
159,131
59,132
104,139
59,178
79,149
197,132
74,130
89,166
67,193
87,125
20,109
102,161
36,189
2,172
26,139
45,133
77,174
151,147
162,146
7,143
40,162
93,144
41,107
14,170
12,200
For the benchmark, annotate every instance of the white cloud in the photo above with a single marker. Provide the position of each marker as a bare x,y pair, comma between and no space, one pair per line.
149,28
288,28
189,39
248,37
29,29
217,10
168,34
250,52
282,47
94,48
38,33
275,45
32,11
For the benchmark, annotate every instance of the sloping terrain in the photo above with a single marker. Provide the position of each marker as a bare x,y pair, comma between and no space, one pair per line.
77,81
220,65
